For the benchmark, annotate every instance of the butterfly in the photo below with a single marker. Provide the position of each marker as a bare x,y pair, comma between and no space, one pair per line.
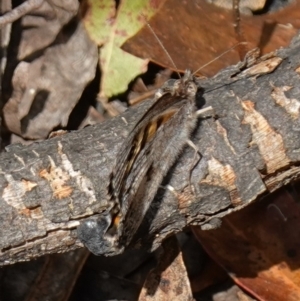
145,157
151,148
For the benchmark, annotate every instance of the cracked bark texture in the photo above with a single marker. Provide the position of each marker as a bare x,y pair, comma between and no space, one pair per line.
250,149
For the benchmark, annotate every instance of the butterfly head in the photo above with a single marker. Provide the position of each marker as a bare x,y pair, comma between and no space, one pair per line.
185,86
98,234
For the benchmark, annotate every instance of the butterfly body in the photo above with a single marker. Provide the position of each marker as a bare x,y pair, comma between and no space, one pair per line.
145,157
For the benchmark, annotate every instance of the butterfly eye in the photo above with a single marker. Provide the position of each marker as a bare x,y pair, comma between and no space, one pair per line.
176,86
191,89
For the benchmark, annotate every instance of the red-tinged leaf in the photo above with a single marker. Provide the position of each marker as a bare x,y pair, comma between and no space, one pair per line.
196,32
260,247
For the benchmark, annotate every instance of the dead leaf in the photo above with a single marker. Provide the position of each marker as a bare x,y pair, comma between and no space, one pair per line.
201,31
46,90
169,280
41,27
259,247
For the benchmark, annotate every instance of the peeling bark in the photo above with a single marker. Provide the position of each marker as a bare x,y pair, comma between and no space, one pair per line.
250,149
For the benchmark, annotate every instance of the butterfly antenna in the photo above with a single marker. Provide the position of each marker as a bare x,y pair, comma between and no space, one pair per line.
216,58
238,29
162,46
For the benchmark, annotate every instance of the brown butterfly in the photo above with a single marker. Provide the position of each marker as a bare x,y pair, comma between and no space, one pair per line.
144,159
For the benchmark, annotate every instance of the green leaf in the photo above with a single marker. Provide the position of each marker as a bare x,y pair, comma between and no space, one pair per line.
119,70
111,29
99,18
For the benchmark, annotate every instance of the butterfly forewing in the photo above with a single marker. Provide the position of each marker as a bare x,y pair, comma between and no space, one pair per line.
127,154
159,128
148,174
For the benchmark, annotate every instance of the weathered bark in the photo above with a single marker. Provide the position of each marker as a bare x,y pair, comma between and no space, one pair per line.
251,148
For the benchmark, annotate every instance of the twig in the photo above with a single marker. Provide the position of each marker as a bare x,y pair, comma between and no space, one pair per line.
20,11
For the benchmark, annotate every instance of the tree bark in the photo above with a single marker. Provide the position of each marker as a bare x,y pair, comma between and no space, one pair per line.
249,149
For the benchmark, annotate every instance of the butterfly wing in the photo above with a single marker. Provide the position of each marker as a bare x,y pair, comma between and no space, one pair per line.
138,141
153,163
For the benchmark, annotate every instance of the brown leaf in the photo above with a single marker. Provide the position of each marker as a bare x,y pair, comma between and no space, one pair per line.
169,280
201,31
46,90
259,247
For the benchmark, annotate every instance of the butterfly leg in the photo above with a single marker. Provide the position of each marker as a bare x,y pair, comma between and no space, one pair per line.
170,188
202,113
205,112
196,159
